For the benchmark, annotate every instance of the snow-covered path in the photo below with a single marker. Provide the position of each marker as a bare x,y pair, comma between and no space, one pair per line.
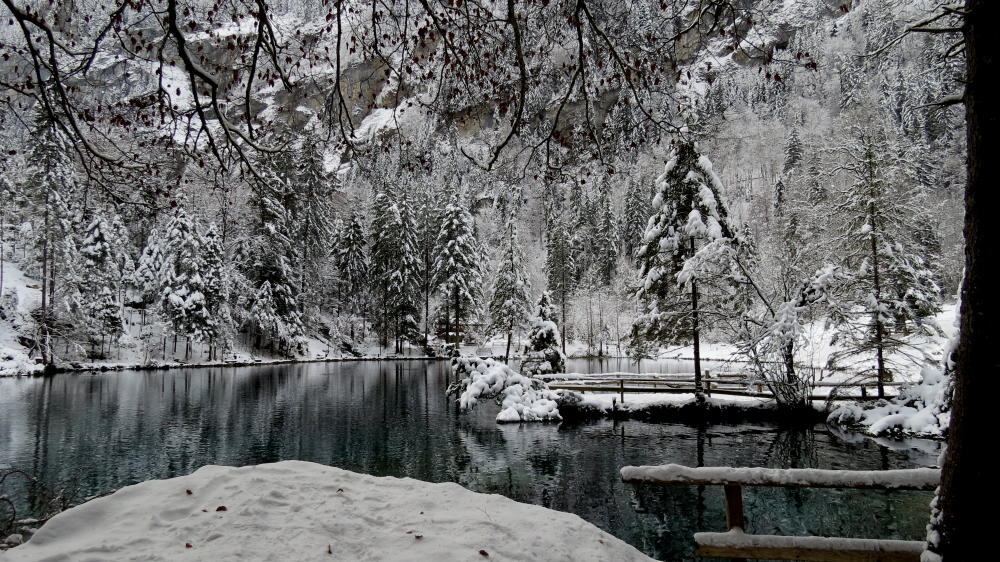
294,510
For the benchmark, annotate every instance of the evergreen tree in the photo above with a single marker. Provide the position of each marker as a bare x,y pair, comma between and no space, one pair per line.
101,262
892,284
215,287
606,242
457,265
685,239
183,302
635,214
395,269
351,257
561,268
276,253
543,354
793,150
50,187
407,303
312,217
510,306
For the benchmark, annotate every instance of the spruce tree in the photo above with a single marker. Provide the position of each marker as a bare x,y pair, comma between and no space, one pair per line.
457,265
277,253
542,354
351,256
101,262
688,230
561,268
510,306
892,284
183,302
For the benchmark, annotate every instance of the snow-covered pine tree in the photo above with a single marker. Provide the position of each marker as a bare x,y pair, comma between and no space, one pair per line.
50,188
892,284
793,150
457,266
685,245
183,302
101,261
606,242
276,254
313,216
510,307
351,256
428,219
633,218
407,302
385,253
215,287
542,353
561,268
146,279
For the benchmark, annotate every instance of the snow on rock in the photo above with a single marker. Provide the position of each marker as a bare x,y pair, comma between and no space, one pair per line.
901,479
521,398
295,510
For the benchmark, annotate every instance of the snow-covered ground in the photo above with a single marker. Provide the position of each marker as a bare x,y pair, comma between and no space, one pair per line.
294,510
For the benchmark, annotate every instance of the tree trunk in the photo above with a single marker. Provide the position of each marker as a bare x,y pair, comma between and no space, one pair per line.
698,390
879,327
510,334
965,532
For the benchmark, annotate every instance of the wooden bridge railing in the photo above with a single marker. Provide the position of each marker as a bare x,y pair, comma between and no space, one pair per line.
738,545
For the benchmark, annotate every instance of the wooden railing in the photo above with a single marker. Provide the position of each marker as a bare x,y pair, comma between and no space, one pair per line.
729,384
739,545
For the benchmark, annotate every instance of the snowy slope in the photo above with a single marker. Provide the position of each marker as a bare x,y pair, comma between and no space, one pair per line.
294,510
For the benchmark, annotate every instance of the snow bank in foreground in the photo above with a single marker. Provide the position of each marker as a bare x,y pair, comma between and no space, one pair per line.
296,510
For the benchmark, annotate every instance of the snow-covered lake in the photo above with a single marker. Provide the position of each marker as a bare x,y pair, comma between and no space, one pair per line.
104,431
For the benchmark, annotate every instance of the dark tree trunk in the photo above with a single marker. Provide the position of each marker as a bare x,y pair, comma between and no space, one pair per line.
879,327
698,390
966,533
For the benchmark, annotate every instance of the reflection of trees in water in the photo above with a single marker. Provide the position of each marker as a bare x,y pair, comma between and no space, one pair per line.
392,418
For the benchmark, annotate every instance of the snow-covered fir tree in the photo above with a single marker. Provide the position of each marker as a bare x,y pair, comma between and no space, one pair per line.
275,256
457,267
510,306
561,269
892,285
542,352
183,302
685,244
351,256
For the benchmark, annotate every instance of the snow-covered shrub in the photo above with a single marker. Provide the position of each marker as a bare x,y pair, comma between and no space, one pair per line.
521,398
919,409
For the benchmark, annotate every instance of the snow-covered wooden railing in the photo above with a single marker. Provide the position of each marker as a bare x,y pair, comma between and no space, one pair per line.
737,544
729,384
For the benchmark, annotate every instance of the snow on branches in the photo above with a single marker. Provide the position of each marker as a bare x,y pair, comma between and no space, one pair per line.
521,398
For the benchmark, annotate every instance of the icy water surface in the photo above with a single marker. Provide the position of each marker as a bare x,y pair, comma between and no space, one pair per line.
104,431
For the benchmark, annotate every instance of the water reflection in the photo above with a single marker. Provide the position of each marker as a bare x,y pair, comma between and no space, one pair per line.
106,431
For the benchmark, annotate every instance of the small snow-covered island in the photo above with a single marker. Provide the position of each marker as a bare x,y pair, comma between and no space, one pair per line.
497,280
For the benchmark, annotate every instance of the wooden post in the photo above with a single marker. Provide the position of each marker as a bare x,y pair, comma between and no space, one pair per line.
708,383
734,510
621,390
734,506
864,391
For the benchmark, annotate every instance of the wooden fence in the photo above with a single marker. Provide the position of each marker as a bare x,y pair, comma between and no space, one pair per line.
739,545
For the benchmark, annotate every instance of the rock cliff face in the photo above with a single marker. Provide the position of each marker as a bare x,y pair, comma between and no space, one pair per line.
773,54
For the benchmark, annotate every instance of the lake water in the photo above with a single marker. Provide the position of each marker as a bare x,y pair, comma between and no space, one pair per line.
103,431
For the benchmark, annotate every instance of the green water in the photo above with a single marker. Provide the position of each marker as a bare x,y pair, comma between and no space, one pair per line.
103,431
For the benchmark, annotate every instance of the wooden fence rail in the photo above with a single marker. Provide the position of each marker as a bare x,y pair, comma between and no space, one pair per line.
739,545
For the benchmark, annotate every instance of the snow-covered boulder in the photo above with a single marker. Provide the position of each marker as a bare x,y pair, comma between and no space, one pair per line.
294,510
